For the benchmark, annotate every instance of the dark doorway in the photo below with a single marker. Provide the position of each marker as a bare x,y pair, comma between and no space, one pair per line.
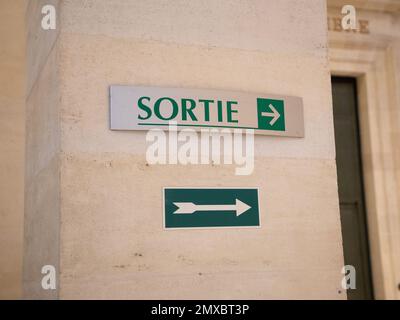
350,183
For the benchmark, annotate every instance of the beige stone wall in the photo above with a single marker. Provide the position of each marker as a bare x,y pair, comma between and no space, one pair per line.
95,183
112,241
373,58
12,130
42,169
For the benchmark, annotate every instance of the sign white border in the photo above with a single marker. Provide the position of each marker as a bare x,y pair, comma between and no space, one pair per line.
207,228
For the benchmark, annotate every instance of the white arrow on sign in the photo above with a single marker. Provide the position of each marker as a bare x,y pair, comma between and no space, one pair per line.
274,114
189,207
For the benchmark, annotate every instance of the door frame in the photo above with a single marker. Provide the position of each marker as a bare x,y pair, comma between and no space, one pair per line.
373,63
360,206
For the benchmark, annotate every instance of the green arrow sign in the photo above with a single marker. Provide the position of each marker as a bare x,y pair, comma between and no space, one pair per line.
271,114
211,207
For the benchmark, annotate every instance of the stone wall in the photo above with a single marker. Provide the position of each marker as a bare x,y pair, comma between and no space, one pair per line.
42,165
112,241
12,140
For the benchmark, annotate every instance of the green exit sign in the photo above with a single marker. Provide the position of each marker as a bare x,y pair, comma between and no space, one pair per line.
271,114
144,108
211,207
